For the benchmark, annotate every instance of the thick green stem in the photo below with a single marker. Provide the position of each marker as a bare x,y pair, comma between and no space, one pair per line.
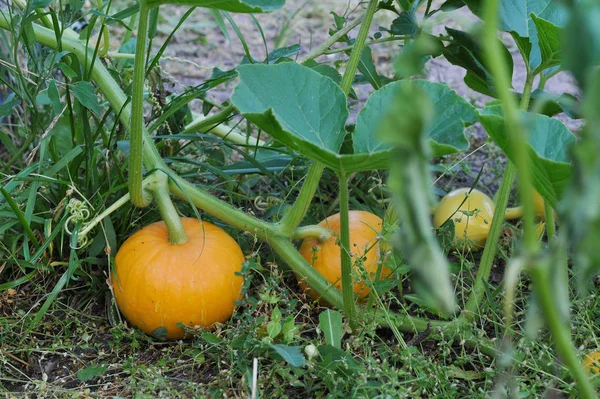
292,219
306,272
359,46
220,209
168,211
347,284
136,136
561,332
224,132
203,123
453,328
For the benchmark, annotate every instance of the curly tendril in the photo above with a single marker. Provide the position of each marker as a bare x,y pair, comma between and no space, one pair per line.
79,214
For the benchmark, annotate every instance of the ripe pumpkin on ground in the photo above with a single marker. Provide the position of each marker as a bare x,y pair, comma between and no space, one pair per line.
472,220
364,246
157,284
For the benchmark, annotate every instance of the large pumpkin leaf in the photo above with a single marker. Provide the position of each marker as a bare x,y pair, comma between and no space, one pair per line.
296,105
307,111
245,6
515,16
446,132
549,142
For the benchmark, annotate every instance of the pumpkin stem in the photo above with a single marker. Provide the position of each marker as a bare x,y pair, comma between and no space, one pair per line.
168,211
319,232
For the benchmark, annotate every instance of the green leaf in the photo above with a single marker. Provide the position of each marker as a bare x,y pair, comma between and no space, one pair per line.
54,97
405,24
524,46
515,16
39,3
91,372
550,42
245,6
289,330
335,359
551,104
85,93
330,322
549,142
451,5
291,354
367,68
281,53
466,52
274,326
445,133
273,329
8,105
125,13
296,105
160,333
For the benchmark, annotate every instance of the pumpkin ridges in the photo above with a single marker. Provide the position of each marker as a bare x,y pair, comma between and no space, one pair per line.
193,283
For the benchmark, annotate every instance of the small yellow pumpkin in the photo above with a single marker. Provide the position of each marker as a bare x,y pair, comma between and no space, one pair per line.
158,285
472,218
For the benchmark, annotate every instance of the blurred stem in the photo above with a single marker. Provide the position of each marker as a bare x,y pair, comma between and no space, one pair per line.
491,245
561,332
292,219
517,136
136,136
347,286
549,217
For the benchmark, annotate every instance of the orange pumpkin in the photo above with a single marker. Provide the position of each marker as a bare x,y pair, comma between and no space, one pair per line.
158,284
364,246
